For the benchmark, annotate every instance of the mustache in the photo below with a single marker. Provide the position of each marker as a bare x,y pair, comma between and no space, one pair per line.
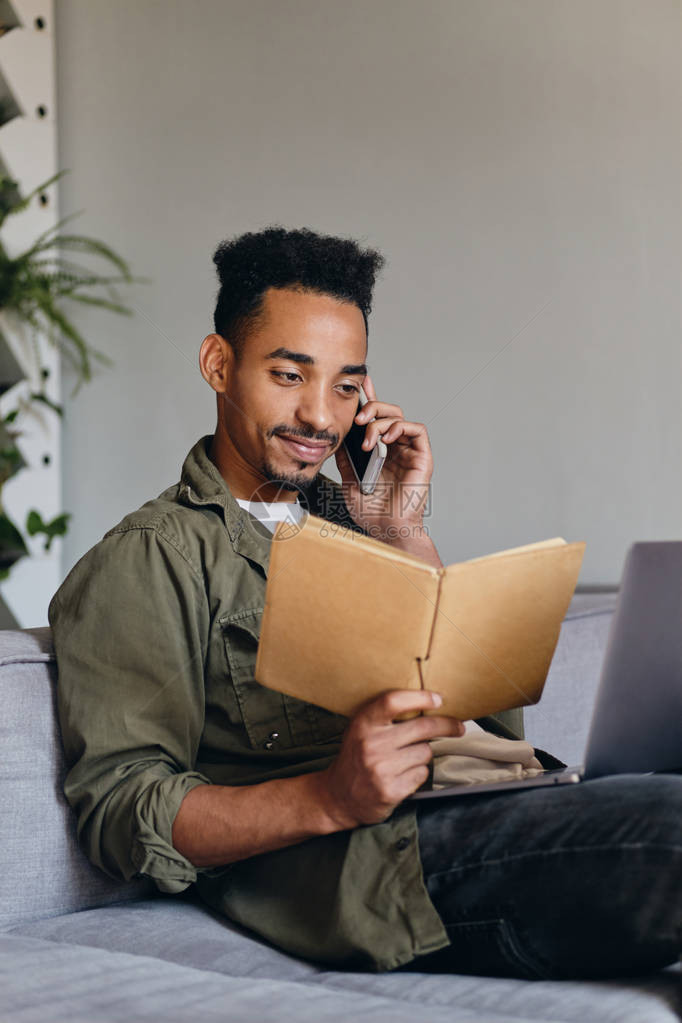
297,431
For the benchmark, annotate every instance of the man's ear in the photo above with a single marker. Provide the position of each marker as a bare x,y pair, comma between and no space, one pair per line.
216,361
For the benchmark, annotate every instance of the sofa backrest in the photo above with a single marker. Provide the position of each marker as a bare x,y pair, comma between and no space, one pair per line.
560,722
42,870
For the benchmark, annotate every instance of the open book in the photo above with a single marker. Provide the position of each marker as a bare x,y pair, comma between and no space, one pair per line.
347,618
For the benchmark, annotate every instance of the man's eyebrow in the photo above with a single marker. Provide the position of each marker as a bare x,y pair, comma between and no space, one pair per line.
359,370
307,360
286,353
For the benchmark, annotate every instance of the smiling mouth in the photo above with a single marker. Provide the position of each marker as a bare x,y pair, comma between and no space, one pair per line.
305,451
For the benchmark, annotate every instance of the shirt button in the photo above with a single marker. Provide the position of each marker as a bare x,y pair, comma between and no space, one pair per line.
268,745
402,844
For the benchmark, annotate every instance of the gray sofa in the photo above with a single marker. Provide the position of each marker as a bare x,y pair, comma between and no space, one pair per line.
78,946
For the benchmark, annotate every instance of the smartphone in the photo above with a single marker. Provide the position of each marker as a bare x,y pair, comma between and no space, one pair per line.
367,465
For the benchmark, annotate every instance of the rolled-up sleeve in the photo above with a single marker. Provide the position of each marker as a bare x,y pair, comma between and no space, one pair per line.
130,627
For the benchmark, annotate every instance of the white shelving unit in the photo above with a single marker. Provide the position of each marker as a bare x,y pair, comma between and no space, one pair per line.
28,151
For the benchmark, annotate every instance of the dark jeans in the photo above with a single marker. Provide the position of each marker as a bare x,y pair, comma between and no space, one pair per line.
576,881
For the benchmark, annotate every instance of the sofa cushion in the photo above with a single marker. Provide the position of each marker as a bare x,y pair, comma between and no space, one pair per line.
182,931
42,870
42,981
179,929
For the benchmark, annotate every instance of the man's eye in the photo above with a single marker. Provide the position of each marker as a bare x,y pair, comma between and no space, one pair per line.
349,388
285,375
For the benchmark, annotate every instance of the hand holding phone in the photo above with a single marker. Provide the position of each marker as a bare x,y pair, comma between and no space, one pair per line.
367,465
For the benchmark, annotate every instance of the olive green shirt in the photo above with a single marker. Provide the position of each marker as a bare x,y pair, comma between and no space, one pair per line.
156,631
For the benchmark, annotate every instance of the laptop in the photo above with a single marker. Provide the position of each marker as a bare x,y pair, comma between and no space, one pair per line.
636,724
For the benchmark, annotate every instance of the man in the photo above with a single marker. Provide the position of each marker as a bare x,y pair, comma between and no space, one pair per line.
289,819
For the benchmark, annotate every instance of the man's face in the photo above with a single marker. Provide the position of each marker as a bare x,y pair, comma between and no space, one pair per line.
292,395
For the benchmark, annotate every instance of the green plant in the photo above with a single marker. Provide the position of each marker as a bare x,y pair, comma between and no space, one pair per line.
35,283
34,287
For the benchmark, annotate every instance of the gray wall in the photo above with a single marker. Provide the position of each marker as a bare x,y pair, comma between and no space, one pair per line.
517,160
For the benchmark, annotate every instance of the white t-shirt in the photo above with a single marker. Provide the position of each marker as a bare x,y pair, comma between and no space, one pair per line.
272,513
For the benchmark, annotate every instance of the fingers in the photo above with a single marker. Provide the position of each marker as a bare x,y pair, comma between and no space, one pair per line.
376,410
384,709
419,754
414,779
388,422
423,729
406,772
368,387
391,430
378,428
373,407
382,761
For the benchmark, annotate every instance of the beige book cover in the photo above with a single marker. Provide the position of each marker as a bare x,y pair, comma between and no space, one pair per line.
347,618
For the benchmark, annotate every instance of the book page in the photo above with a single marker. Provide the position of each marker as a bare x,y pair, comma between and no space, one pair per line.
497,625
556,541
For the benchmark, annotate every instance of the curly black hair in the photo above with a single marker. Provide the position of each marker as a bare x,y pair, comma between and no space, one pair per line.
277,258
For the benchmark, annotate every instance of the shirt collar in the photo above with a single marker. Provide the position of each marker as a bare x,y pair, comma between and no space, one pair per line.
201,485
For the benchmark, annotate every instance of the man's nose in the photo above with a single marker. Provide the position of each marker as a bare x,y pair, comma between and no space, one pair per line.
314,410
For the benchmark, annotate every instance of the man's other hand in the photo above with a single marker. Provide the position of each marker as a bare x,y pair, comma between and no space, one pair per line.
394,512
383,760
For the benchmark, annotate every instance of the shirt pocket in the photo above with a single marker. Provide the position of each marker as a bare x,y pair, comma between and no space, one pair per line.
272,720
